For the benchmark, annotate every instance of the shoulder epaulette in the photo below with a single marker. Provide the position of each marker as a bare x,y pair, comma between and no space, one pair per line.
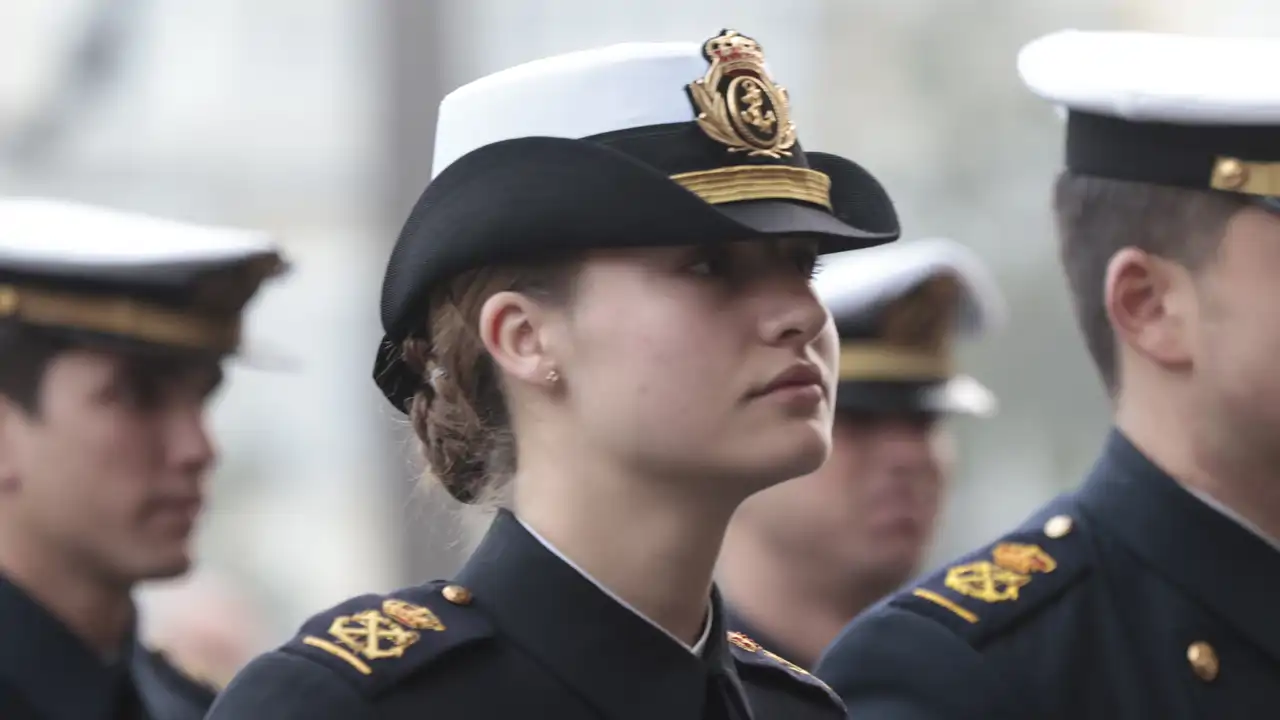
749,653
1010,579
376,641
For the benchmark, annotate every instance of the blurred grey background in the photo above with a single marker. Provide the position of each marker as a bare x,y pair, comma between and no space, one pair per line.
314,119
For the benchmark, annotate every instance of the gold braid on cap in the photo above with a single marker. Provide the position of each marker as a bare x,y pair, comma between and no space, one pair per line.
740,107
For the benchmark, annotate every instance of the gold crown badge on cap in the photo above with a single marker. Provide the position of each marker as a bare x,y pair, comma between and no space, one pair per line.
738,105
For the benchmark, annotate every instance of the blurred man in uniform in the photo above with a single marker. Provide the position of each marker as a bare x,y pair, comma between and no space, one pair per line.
1151,591
112,330
801,559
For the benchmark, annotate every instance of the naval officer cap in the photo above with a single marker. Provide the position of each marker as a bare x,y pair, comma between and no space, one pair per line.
898,310
1164,109
104,277
632,145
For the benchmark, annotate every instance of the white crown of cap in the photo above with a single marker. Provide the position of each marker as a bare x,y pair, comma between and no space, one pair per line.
1157,77
53,232
851,282
574,95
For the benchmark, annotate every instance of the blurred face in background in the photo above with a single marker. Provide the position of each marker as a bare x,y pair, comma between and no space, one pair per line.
868,514
106,473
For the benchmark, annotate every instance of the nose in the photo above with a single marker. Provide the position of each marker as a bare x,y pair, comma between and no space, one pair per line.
792,315
189,445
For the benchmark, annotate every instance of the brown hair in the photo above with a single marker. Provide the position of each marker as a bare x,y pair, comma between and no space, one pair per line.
1098,217
459,412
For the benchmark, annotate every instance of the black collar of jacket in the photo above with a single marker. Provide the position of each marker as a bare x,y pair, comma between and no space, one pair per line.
612,657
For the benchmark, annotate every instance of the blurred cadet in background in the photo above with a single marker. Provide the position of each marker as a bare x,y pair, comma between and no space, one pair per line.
113,327
802,558
1151,591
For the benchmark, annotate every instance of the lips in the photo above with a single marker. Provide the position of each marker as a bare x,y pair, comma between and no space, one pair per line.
797,376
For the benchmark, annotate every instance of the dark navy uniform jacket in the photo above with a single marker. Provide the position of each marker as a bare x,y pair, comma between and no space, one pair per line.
1129,598
47,673
518,634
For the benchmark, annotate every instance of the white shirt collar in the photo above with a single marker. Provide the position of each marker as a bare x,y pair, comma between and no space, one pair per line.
1236,517
697,648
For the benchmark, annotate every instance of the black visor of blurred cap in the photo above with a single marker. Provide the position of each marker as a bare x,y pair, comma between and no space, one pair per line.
634,145
959,395
1183,112
127,282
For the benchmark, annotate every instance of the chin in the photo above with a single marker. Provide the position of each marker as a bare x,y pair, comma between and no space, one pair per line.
163,567
784,455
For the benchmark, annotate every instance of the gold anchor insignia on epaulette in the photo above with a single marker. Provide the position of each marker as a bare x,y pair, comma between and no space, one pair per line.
372,635
1000,580
986,581
376,635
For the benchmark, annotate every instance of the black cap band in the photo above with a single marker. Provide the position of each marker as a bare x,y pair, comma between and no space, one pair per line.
1201,157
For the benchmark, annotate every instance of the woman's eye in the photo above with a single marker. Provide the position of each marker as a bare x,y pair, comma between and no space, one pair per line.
711,264
809,263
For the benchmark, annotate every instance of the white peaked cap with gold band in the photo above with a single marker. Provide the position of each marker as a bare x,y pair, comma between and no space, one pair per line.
1166,109
898,309
633,145
102,275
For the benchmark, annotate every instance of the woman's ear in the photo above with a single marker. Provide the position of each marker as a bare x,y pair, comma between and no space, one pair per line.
512,330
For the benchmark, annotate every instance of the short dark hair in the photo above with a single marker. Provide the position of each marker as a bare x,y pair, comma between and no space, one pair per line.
25,355
27,352
1097,217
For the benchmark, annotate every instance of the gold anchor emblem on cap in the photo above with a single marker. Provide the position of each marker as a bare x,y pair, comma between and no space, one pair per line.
738,105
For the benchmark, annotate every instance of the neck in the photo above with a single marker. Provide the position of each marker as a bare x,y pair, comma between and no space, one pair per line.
98,612
816,605
1199,452
648,543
